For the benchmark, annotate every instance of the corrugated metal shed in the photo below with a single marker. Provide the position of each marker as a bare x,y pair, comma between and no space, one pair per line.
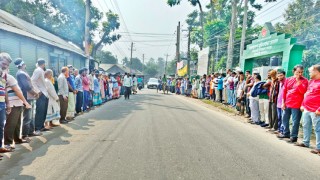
13,24
118,68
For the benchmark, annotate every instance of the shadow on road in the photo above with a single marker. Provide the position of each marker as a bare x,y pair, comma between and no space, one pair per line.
115,110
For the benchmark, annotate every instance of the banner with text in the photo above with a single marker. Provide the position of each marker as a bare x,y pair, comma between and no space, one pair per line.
203,61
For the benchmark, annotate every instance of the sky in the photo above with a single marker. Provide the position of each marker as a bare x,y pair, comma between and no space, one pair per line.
151,25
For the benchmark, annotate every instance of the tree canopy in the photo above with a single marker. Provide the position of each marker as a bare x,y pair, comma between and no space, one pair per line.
65,19
106,57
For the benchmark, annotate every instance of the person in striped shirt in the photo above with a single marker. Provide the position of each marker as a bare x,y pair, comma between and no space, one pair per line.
4,103
16,102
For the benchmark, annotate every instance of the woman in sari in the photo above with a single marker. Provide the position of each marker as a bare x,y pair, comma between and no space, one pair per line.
178,87
110,87
115,88
97,94
194,89
106,87
211,89
53,113
119,84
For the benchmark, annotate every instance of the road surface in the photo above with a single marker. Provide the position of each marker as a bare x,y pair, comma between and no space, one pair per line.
155,136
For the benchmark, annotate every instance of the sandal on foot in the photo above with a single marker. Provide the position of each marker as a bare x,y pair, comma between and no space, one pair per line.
301,145
315,151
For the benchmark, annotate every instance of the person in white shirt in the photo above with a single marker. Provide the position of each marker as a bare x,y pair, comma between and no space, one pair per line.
215,82
131,83
63,92
254,102
127,83
39,84
135,84
226,85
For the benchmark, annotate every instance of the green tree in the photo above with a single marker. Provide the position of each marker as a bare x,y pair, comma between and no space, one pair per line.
171,69
218,25
107,35
65,19
194,28
152,69
161,65
193,3
106,57
302,21
71,20
135,64
194,54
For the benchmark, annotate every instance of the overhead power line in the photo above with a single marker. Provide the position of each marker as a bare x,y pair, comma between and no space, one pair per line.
262,12
226,28
121,16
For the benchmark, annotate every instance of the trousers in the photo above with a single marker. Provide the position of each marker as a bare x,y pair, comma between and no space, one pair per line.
63,108
41,112
13,124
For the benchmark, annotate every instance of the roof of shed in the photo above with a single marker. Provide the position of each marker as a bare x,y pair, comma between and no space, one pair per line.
126,69
13,24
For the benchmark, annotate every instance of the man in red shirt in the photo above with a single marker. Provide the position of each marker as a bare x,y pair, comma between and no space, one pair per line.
293,93
311,109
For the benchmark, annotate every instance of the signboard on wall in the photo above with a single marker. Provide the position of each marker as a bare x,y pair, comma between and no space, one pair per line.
203,61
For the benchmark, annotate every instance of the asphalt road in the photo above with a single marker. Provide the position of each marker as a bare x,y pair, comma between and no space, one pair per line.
156,136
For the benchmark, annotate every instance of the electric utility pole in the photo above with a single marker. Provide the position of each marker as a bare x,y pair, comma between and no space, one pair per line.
142,63
189,53
217,52
165,69
178,47
131,58
87,34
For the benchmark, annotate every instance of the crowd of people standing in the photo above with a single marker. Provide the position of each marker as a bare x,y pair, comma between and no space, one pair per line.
58,99
270,103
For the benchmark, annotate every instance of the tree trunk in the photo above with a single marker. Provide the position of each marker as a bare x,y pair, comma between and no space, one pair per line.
212,9
244,27
96,47
232,34
201,23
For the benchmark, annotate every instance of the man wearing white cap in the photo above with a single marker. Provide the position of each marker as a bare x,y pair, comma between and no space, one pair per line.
24,82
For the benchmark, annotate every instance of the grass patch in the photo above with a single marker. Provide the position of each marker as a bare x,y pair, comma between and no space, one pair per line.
219,105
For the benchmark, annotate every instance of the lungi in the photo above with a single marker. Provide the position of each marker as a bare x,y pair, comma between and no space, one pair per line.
71,105
97,99
116,93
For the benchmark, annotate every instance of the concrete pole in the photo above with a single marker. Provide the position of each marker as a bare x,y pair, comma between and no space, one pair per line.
217,51
177,48
189,53
165,69
87,34
142,63
131,58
